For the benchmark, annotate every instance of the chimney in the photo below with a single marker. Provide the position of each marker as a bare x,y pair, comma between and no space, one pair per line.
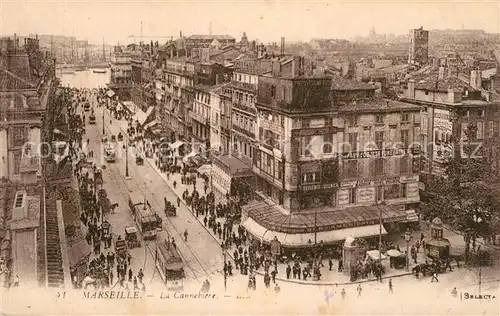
282,46
411,89
441,73
475,79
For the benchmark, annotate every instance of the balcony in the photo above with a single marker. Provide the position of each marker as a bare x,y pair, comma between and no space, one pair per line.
244,86
200,118
181,72
29,163
271,126
243,131
244,108
21,115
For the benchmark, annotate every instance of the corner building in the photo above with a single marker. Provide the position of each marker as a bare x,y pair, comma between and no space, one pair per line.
332,160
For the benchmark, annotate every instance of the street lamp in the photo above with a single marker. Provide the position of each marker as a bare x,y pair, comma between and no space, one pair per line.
127,176
380,230
407,238
223,245
103,132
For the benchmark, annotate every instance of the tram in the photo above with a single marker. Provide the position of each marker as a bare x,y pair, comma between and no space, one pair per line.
170,266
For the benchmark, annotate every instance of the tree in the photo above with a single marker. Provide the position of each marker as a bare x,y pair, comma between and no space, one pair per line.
466,198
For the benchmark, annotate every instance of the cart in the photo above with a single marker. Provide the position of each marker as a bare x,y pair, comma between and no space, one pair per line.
120,136
139,160
121,249
131,237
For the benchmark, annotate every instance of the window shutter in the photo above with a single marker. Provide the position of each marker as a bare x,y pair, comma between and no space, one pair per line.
372,167
10,131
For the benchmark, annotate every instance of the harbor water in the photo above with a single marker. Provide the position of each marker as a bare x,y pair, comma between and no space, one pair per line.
84,79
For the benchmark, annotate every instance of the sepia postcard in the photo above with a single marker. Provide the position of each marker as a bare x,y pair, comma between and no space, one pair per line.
256,157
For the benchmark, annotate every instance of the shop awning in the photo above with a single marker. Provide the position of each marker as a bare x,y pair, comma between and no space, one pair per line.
205,169
176,144
151,124
110,93
411,216
327,218
307,239
141,116
376,255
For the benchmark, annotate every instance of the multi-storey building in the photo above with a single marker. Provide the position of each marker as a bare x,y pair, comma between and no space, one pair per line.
200,115
327,170
24,97
418,48
243,88
178,81
449,108
198,41
121,74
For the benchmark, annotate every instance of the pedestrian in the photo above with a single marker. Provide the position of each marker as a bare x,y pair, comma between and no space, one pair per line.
330,264
448,264
135,283
130,275
288,270
343,294
434,277
277,288
178,202
359,289
454,292
390,286
140,275
175,184
186,235
205,221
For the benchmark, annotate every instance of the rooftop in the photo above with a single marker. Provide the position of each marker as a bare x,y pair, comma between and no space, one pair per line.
206,88
378,104
443,85
340,83
206,37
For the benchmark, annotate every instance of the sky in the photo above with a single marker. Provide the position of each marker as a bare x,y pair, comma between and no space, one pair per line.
266,21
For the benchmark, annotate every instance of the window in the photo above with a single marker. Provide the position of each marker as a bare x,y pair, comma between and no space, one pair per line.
306,141
328,121
353,142
280,171
403,190
405,117
405,138
352,196
327,143
352,120
379,119
480,130
379,193
19,135
17,162
379,166
273,92
379,139
306,122
351,168
404,164
391,191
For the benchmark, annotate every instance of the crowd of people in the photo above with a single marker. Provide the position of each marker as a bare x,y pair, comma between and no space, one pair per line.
95,206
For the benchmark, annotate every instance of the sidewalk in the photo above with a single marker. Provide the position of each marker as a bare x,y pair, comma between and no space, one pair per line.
328,277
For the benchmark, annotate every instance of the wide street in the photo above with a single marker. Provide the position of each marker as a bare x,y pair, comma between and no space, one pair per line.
204,258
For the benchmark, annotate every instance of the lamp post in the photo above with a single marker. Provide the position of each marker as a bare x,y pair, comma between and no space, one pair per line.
127,176
380,230
225,270
407,238
103,132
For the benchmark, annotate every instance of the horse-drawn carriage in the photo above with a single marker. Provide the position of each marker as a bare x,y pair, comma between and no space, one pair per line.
131,237
170,209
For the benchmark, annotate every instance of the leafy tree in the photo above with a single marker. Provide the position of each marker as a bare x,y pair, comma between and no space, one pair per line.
465,197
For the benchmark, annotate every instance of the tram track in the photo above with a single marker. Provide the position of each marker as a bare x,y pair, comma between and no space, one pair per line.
195,265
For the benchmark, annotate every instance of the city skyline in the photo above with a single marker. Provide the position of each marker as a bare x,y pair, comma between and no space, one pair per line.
266,21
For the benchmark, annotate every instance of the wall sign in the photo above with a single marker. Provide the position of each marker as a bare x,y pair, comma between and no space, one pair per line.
315,131
381,153
366,195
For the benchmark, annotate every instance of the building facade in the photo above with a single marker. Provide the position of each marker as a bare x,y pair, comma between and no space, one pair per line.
121,74
418,47
332,160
